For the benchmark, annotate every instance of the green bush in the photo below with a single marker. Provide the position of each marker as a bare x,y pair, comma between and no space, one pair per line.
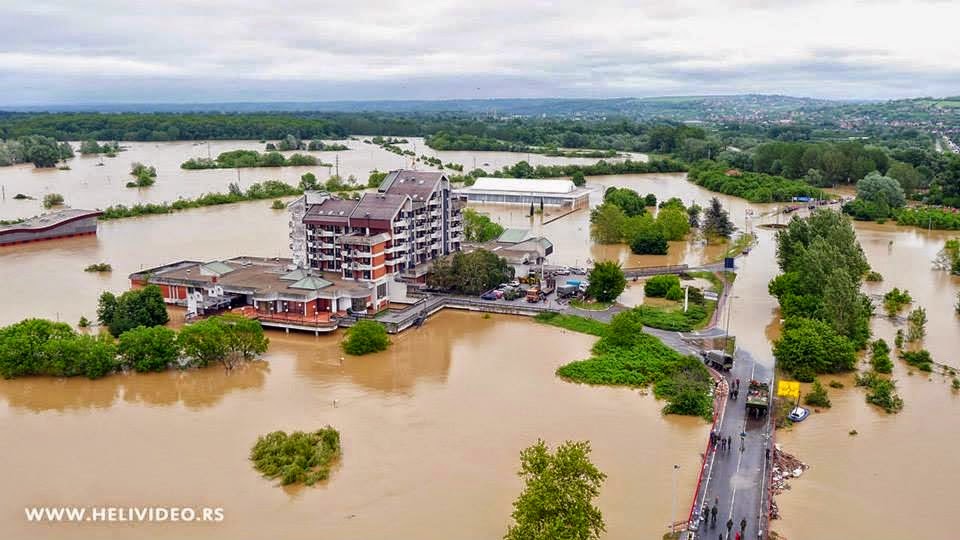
659,286
895,300
52,199
817,397
873,276
880,356
673,319
675,293
919,359
365,337
42,347
298,457
149,349
881,392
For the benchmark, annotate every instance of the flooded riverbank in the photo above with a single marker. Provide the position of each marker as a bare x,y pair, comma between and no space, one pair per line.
433,427
432,431
99,182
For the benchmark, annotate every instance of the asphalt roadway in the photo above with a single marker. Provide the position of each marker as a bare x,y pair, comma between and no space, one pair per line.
735,480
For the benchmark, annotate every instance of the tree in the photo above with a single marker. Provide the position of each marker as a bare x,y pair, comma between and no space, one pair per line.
52,199
906,175
882,191
139,307
204,342
814,177
917,324
716,220
808,347
880,356
245,336
376,178
365,337
577,178
42,347
693,215
469,273
41,151
308,182
627,199
479,227
606,281
649,239
674,222
650,199
148,349
607,222
557,500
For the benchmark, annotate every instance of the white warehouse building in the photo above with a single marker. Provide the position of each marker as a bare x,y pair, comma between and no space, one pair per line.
563,193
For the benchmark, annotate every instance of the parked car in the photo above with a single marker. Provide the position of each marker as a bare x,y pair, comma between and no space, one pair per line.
489,295
798,414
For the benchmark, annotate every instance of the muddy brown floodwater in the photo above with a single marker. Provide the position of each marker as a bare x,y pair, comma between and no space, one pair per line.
432,428
432,431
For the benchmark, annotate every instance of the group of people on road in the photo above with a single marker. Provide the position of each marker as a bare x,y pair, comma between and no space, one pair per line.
735,389
708,518
719,442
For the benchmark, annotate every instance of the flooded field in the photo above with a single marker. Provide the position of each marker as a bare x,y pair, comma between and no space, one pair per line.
432,428
95,182
432,431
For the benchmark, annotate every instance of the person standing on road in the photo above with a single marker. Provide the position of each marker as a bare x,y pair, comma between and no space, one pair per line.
729,526
713,517
743,525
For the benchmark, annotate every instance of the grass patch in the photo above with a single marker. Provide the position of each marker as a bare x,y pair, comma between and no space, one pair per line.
297,458
673,317
574,323
590,305
715,281
626,356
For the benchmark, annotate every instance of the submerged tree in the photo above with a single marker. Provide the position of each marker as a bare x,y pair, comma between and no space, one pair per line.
606,281
716,220
557,501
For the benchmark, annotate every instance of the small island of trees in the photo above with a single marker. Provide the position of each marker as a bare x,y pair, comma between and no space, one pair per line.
297,458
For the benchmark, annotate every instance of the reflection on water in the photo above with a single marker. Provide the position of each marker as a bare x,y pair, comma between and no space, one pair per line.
194,389
432,432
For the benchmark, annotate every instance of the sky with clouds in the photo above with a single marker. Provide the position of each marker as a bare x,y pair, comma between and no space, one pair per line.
103,51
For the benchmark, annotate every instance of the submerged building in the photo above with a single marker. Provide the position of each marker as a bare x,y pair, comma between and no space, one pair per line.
349,257
562,193
392,234
59,224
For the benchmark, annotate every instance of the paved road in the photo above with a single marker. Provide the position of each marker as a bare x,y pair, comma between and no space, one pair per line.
738,479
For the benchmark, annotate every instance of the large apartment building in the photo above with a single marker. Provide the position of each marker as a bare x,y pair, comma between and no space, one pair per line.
412,219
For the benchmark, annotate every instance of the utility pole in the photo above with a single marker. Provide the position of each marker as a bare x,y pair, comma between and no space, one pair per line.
673,507
337,158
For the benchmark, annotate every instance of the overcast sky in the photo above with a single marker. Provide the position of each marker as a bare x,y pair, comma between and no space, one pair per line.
100,51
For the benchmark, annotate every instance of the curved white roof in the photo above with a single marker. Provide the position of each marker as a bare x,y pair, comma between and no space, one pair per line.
523,184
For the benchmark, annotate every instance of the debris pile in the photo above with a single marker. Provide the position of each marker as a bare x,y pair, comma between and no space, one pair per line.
785,466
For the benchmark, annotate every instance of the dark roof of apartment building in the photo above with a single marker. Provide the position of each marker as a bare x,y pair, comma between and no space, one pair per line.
417,184
379,206
337,210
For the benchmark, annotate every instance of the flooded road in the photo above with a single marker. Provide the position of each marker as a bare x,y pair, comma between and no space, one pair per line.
433,427
432,431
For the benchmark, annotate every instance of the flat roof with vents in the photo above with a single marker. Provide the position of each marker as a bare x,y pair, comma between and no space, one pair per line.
554,192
